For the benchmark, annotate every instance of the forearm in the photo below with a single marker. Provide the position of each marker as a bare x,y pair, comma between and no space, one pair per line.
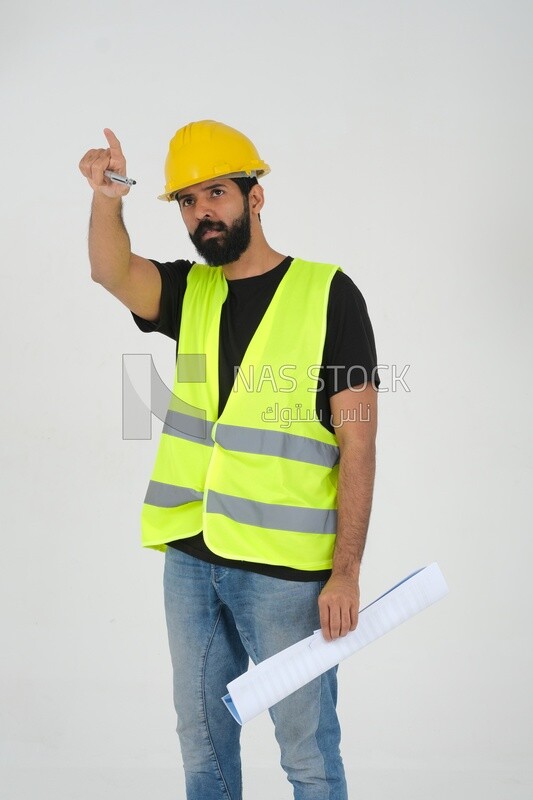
357,468
109,243
338,603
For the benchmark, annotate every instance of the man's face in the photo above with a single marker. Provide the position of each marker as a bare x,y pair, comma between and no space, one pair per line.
217,217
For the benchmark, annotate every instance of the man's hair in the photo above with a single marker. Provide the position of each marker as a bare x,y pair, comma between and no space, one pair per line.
245,185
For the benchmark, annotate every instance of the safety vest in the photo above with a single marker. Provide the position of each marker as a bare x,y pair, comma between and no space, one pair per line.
260,481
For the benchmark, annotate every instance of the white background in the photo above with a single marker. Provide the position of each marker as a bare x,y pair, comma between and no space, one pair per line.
399,135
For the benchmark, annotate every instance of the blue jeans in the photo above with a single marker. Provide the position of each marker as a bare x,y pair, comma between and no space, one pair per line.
217,617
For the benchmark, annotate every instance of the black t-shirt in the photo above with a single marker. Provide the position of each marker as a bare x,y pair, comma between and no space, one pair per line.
349,359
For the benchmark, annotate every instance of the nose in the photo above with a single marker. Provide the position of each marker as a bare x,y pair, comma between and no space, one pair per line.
202,209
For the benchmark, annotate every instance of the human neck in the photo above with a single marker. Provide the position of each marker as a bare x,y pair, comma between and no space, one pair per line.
258,258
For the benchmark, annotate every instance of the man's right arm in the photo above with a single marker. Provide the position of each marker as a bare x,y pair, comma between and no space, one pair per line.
135,281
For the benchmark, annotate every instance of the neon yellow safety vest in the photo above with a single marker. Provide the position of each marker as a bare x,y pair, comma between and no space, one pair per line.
260,481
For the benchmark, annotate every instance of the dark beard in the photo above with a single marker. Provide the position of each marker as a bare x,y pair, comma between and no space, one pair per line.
228,247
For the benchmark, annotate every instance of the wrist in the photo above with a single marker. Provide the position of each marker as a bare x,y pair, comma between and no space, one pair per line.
349,571
106,202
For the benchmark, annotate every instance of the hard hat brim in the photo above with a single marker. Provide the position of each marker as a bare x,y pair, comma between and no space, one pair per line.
254,173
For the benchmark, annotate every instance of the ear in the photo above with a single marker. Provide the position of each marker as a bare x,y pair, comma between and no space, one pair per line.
256,198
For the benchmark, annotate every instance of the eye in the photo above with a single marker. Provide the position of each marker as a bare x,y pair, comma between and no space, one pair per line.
217,192
186,202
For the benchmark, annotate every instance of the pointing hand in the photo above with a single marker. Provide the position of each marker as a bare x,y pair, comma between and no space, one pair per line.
95,162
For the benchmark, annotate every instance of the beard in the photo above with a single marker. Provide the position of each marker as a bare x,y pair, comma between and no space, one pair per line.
229,246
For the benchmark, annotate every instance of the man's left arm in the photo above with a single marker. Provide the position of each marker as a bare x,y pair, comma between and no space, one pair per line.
354,417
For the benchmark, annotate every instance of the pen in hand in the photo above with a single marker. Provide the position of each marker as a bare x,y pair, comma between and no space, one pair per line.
116,178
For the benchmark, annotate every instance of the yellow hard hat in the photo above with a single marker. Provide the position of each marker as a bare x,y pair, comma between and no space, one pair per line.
207,149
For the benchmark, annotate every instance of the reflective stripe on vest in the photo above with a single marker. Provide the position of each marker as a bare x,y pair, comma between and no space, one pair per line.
269,515
258,491
164,495
186,427
276,443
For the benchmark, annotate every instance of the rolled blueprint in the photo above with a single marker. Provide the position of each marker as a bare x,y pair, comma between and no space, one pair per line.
280,675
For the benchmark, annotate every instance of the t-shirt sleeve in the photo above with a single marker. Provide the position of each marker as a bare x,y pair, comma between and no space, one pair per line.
350,357
173,285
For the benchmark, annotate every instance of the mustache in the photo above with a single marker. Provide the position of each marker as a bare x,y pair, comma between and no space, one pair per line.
207,225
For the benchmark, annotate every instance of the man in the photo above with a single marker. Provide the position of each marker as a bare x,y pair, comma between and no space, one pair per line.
262,486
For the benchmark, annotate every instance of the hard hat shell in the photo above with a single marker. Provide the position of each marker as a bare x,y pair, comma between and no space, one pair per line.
208,149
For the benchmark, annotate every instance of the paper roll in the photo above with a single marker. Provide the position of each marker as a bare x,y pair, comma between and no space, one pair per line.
278,676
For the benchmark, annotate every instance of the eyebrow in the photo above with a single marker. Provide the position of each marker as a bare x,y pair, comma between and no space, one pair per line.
180,196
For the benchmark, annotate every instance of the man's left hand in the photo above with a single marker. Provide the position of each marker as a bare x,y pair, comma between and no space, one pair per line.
338,604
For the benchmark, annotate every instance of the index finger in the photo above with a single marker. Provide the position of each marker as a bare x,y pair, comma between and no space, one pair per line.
114,144
323,611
